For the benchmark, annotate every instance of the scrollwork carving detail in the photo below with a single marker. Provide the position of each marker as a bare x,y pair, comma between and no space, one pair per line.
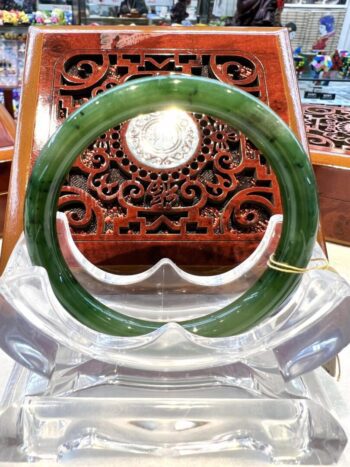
328,127
225,189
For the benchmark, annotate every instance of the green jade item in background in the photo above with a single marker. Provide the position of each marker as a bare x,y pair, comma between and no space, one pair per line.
237,108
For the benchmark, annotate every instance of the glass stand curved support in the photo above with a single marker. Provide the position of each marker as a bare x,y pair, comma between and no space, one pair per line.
303,334
254,396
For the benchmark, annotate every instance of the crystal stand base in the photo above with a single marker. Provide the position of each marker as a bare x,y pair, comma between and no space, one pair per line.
209,415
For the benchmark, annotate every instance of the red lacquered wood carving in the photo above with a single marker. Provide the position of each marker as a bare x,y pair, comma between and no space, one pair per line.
328,128
210,210
328,133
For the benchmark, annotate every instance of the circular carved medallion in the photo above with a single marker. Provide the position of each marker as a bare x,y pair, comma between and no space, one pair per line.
164,139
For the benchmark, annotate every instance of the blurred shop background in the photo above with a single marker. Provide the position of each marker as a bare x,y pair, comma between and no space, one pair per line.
319,33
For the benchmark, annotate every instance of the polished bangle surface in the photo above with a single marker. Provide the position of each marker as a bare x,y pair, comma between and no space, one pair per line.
237,108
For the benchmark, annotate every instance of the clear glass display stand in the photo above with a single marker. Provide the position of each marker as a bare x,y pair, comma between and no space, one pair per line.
215,412
76,394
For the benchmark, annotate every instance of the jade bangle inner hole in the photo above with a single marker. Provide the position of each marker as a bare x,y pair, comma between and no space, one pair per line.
161,151
165,293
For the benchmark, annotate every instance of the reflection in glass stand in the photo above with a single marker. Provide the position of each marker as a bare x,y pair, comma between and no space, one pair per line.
170,392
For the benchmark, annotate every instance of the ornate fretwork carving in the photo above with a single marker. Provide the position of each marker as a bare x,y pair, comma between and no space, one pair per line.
224,191
328,127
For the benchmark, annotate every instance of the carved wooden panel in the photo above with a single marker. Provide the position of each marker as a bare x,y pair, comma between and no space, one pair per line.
328,133
210,210
225,191
328,128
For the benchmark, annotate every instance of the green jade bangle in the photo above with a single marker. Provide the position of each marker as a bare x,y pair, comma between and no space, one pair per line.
244,112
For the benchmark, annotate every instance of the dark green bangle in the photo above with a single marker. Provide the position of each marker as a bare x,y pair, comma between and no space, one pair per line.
265,129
